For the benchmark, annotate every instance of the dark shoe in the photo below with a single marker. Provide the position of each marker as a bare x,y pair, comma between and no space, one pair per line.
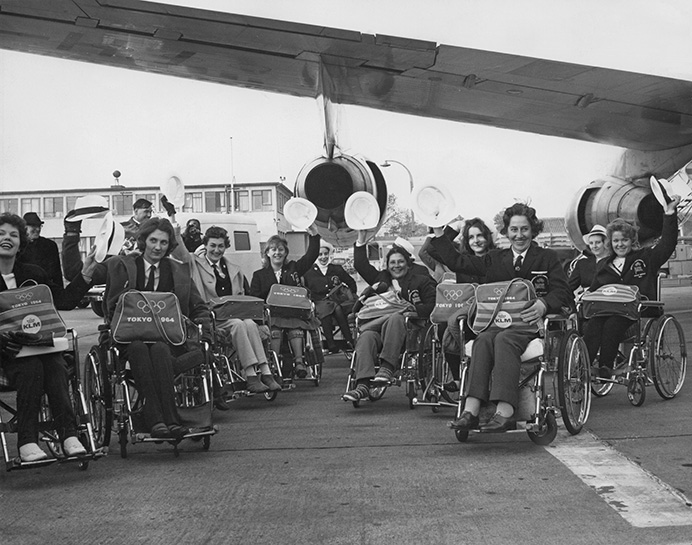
359,392
605,372
332,350
499,423
161,431
255,385
465,422
221,403
177,431
384,376
301,370
269,382
451,386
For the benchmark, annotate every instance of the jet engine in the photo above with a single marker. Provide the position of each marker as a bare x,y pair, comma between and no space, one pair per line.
329,182
603,200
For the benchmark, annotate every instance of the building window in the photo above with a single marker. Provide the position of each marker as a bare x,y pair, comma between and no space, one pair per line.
31,205
215,201
262,199
9,205
151,197
242,201
193,202
53,207
241,241
122,205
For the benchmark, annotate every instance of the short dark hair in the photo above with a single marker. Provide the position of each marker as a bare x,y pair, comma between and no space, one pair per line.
399,250
479,224
141,203
216,232
151,225
522,209
15,221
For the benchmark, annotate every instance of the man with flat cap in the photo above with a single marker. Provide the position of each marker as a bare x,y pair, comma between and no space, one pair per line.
40,250
142,212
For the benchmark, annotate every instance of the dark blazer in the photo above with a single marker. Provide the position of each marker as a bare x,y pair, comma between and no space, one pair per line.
44,253
641,266
64,298
415,288
123,276
583,272
321,284
264,278
541,266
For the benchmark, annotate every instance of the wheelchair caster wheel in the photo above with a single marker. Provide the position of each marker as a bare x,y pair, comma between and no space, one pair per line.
435,408
461,435
636,391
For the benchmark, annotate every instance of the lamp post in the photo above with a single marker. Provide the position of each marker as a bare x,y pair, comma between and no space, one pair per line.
389,163
232,195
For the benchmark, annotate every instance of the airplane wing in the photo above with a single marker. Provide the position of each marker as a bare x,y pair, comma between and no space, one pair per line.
626,109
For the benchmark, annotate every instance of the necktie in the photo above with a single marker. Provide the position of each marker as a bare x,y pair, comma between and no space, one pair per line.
517,263
223,285
151,279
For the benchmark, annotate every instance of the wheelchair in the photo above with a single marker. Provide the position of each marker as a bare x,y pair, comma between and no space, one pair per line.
115,406
554,380
226,368
409,373
284,359
653,352
47,432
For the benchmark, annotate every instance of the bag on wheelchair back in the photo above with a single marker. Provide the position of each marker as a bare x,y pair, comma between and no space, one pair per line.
148,316
31,310
499,305
451,298
378,305
289,301
242,307
612,300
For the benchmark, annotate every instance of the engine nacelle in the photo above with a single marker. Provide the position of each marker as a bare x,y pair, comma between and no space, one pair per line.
603,200
328,183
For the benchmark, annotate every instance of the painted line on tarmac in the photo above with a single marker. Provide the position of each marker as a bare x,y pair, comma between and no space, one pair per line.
638,496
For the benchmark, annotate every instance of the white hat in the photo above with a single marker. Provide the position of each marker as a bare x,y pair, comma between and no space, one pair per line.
109,239
88,206
433,205
300,212
405,245
595,230
361,211
174,190
659,191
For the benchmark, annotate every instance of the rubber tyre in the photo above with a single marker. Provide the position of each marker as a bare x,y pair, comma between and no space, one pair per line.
548,434
98,396
668,357
573,382
636,391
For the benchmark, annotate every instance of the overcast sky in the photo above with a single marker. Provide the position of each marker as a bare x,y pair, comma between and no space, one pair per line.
68,124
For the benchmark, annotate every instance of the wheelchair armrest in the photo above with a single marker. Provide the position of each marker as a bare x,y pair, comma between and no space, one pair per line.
412,316
650,304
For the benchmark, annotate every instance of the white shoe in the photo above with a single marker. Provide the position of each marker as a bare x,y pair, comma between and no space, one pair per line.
31,452
72,447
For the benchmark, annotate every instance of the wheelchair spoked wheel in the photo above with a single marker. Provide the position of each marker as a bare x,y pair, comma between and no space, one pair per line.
98,396
548,430
668,356
313,364
636,390
573,382
598,388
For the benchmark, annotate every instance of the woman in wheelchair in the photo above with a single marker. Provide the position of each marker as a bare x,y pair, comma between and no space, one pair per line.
278,270
215,275
152,363
34,375
322,279
497,352
633,266
387,336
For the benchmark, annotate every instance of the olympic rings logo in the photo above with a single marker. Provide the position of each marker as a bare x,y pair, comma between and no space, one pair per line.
156,306
498,291
290,290
24,296
453,295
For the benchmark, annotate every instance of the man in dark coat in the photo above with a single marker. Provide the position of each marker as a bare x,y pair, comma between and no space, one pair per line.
39,250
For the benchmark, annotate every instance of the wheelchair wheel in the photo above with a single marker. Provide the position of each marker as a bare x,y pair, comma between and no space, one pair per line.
98,396
461,435
548,431
122,437
315,367
600,389
573,382
411,393
668,357
636,391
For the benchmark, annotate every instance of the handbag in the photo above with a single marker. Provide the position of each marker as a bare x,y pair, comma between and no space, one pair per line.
30,309
341,294
148,316
384,304
289,301
612,300
242,307
450,299
499,305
